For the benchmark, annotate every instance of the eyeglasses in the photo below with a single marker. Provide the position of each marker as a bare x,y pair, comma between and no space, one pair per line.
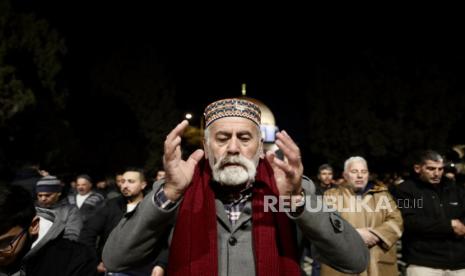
8,246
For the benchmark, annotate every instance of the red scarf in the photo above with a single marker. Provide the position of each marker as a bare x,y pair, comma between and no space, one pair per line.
194,249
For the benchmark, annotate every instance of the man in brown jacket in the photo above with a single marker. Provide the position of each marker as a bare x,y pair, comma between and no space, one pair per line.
372,211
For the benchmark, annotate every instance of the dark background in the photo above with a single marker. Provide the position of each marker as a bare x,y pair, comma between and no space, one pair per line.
130,72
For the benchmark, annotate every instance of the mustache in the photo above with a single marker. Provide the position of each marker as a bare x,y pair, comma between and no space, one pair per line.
232,159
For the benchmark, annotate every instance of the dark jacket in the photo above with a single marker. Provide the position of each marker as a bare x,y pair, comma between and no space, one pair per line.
102,222
62,257
429,239
53,255
70,216
320,190
100,225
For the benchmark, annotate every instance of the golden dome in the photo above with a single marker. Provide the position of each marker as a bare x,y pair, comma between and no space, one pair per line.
267,117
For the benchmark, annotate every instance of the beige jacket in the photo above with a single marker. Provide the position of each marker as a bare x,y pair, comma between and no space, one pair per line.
375,209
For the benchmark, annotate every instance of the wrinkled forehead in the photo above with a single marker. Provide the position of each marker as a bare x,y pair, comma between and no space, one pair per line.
232,125
357,165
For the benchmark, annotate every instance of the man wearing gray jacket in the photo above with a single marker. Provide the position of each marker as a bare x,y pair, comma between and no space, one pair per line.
217,207
32,243
48,191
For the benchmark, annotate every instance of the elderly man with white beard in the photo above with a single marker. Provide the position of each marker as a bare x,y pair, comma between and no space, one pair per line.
212,206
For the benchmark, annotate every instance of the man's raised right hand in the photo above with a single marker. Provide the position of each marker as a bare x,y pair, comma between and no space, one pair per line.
178,172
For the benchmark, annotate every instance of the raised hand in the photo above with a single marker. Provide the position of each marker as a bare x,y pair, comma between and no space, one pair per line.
178,172
287,172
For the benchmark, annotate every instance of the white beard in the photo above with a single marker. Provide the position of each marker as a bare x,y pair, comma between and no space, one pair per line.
234,175
242,172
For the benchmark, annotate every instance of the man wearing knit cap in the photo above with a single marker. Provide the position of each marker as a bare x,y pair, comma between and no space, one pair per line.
217,198
48,190
27,248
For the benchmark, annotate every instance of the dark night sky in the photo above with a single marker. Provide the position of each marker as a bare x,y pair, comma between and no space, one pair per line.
205,58
207,55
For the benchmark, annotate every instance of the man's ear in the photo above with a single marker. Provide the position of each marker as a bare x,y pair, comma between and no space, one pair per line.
35,225
205,149
144,184
346,176
417,168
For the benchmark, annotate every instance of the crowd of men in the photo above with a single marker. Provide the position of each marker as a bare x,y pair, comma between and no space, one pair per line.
207,215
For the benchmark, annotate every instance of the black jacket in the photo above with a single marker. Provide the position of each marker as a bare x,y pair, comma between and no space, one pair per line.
429,239
102,222
54,255
319,190
62,257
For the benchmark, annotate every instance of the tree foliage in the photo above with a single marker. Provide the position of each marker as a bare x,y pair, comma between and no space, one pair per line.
381,112
30,54
137,78
31,100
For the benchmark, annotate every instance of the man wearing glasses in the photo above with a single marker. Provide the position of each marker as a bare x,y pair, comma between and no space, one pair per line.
25,250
